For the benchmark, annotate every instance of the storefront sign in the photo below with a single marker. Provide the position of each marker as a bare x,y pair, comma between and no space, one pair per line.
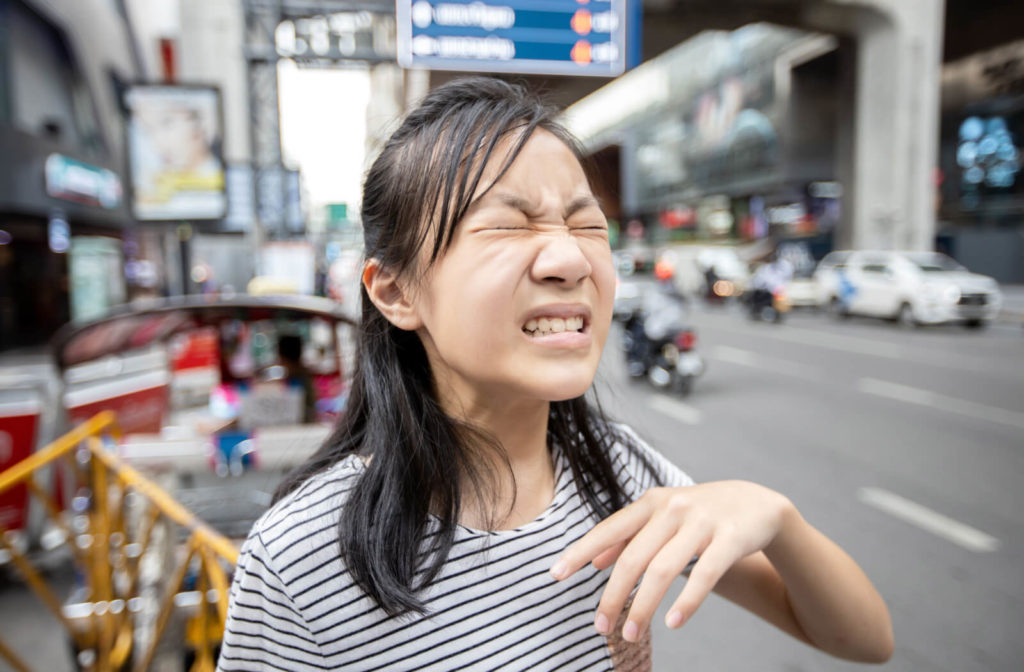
72,180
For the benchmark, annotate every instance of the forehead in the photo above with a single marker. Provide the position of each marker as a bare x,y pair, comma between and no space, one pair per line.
545,162
545,174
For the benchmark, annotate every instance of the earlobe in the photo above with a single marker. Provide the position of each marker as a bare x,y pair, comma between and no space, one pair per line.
390,297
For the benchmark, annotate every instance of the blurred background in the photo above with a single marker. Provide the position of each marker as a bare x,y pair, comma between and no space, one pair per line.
817,212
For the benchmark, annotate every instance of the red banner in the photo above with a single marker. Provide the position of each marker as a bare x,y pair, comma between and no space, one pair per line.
197,349
17,441
140,403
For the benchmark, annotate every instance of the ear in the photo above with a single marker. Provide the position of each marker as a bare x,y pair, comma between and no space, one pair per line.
390,296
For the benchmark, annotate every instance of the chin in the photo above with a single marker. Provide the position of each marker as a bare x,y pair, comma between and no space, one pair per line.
566,390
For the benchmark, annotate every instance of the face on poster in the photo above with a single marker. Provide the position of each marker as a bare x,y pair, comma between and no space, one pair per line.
177,165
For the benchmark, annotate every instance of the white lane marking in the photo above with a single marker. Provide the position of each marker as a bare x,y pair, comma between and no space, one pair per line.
727,353
931,521
676,409
841,342
864,346
915,395
734,355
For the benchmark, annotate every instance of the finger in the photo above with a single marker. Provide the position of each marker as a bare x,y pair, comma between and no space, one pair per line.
630,566
608,557
665,567
714,562
615,529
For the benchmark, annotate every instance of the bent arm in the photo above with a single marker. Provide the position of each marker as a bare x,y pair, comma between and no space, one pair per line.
807,586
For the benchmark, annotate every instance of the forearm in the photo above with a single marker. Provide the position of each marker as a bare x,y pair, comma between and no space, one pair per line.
831,599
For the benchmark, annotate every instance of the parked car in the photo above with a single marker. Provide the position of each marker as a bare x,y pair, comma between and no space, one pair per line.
913,288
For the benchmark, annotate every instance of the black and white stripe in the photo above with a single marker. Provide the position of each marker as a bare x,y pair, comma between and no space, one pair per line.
493,607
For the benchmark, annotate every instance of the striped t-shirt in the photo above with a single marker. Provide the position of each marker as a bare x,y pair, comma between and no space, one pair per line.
494,606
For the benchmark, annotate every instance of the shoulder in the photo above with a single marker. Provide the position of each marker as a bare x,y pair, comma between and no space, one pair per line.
308,516
640,466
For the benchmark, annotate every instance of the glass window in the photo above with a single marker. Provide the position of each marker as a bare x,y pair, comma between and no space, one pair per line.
933,262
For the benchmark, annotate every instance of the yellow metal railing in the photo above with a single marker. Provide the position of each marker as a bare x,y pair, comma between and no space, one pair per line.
124,535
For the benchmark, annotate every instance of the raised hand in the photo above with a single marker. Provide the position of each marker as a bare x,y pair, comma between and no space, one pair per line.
657,536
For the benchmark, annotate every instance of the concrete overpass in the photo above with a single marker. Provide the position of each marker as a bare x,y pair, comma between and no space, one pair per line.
890,61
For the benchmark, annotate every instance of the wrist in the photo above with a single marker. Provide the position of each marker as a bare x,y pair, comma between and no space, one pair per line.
790,521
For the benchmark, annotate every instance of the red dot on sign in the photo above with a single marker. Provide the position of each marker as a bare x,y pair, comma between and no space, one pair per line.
581,22
581,52
583,2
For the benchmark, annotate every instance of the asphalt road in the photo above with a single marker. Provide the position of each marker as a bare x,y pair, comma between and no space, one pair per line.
906,446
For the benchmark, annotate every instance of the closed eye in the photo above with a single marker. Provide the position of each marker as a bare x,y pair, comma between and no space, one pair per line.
589,225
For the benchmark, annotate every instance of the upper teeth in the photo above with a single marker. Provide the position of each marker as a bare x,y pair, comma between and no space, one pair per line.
554,325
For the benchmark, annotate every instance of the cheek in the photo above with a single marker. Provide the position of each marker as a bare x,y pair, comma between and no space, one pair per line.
603,274
471,302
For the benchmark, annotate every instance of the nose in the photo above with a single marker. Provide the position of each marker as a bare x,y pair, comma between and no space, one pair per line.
561,261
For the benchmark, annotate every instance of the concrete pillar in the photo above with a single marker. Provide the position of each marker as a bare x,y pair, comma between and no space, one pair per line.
889,191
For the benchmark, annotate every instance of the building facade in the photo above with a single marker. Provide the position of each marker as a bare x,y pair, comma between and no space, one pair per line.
65,229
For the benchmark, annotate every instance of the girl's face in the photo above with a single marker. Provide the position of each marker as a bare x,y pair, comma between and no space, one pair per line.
519,307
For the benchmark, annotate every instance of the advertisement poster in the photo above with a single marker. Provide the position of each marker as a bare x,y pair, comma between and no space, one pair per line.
175,144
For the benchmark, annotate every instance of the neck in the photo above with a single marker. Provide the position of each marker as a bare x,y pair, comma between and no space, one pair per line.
521,430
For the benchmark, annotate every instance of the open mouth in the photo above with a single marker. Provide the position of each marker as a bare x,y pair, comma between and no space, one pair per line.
547,326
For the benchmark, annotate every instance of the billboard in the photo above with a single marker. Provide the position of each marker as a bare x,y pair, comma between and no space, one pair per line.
174,142
552,37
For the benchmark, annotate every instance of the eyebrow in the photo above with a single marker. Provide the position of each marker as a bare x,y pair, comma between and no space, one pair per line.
526,207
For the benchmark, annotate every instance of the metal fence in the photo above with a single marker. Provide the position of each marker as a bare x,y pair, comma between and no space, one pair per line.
153,578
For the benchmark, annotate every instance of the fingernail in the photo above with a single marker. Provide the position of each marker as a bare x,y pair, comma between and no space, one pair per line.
558,570
674,620
601,624
631,632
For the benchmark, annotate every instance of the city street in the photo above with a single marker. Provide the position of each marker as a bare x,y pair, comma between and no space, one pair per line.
905,446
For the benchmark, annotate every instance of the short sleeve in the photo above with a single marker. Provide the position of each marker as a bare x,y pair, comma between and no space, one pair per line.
643,467
265,629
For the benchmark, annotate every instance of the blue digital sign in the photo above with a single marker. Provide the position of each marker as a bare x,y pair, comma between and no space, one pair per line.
555,37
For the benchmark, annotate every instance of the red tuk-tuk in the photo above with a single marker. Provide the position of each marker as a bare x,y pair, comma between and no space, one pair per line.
216,395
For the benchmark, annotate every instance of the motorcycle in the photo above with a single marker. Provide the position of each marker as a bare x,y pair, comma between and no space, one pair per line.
767,305
660,346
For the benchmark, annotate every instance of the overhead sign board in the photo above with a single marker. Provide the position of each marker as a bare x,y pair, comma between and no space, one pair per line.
555,37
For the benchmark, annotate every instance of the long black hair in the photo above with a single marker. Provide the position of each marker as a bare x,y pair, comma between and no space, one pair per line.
423,460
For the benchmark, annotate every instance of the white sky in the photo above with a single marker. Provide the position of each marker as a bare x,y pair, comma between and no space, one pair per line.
323,130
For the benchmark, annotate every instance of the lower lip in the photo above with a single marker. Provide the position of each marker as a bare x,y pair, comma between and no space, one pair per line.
563,340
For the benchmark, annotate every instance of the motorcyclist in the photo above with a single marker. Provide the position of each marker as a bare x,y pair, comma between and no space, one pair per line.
773,275
766,281
710,280
662,311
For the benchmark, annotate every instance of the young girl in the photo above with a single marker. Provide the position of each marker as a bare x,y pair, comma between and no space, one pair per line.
471,511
